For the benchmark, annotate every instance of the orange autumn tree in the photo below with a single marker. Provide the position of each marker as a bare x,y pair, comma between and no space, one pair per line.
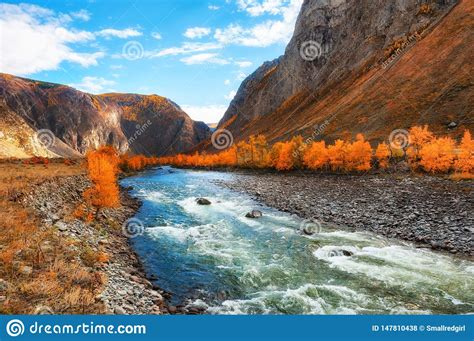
316,156
260,151
284,160
382,154
102,166
336,155
358,155
438,155
464,163
286,156
244,154
418,137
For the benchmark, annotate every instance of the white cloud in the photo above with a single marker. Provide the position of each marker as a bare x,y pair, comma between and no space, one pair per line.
209,114
230,96
94,85
227,82
204,58
264,34
116,67
123,34
156,35
187,48
36,39
244,64
213,7
82,15
257,8
197,32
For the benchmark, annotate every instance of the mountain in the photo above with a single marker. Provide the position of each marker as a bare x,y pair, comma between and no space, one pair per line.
368,66
35,114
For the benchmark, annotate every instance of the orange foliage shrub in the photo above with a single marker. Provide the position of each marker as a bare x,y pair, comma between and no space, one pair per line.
136,163
358,155
382,154
465,159
438,155
285,160
316,156
287,155
102,166
419,136
336,155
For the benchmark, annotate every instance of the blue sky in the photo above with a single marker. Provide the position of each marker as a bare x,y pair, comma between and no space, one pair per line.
195,52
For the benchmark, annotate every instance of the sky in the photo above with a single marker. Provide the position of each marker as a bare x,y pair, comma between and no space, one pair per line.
195,52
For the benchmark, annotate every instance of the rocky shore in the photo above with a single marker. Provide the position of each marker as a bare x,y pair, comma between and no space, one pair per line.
127,290
430,211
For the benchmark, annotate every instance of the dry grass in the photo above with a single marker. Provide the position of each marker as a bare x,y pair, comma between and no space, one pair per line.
38,268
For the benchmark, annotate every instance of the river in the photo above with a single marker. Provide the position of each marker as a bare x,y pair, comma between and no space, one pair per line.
214,257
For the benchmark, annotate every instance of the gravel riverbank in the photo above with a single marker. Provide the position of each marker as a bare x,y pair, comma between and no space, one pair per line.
127,290
433,212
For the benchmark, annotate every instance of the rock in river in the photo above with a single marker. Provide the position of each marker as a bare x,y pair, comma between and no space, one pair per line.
203,201
254,214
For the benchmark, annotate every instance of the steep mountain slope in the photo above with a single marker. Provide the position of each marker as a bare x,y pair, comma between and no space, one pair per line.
151,125
367,66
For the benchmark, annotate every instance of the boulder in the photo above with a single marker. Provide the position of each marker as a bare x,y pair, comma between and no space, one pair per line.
61,226
203,201
254,214
340,253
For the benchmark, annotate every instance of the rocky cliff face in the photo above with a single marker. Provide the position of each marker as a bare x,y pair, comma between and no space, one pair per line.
152,125
367,66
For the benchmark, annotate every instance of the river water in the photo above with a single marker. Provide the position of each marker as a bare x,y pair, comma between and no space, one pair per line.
214,257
